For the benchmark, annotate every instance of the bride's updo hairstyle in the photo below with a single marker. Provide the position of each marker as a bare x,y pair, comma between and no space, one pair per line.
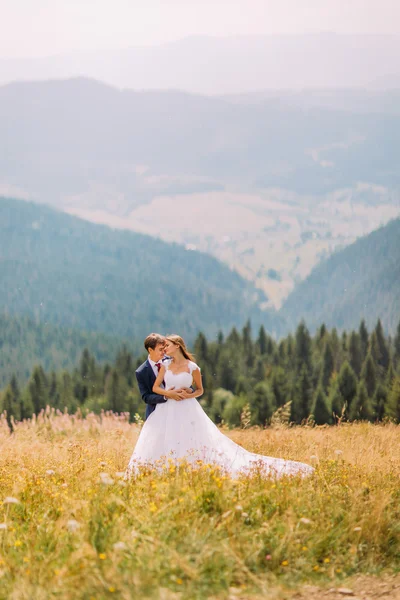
176,339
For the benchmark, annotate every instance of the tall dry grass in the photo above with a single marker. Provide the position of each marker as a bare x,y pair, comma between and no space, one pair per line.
71,527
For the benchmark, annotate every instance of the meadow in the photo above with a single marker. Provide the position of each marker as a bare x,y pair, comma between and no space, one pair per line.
71,527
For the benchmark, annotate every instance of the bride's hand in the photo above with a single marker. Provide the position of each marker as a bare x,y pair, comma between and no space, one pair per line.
175,394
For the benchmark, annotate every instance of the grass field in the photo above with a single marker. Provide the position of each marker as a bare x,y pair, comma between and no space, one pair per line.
72,528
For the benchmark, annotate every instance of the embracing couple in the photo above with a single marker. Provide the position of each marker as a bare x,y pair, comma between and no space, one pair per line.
176,426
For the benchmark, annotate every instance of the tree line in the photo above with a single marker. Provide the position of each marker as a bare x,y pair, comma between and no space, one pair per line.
325,378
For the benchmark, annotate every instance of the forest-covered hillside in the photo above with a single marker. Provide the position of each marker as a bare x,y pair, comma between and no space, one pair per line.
25,343
65,271
360,282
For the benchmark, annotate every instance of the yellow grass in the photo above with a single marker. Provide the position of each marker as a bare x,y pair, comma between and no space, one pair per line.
75,534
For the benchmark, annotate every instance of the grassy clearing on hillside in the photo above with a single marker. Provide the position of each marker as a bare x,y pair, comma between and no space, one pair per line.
77,534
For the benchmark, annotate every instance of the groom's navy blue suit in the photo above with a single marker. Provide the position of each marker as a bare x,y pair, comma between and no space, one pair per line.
146,378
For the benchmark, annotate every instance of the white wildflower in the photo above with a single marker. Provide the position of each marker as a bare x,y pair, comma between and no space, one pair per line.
338,452
105,479
50,472
305,521
239,508
357,529
10,500
3,526
72,525
120,546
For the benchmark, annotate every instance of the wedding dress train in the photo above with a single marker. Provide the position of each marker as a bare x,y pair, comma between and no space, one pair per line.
182,430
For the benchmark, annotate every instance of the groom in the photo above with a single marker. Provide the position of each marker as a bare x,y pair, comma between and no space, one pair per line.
147,373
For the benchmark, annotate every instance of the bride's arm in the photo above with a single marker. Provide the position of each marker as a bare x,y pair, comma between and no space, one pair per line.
157,389
197,379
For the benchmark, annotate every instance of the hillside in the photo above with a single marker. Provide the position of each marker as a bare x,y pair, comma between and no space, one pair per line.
25,343
361,281
65,271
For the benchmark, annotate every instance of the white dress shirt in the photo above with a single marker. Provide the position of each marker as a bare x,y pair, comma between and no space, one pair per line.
153,366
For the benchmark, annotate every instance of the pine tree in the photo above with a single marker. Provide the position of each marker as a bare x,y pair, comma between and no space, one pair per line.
393,404
303,348
11,407
301,404
364,339
361,409
54,394
38,390
259,371
336,401
279,386
321,411
397,346
384,356
116,394
347,385
390,376
201,349
227,374
344,341
379,401
368,375
355,353
328,366
262,404
375,352
262,341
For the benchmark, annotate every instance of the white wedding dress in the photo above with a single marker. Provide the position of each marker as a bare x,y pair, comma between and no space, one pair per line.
182,430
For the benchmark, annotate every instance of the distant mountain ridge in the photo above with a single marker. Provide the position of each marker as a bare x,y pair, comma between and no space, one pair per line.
360,282
239,63
80,141
68,272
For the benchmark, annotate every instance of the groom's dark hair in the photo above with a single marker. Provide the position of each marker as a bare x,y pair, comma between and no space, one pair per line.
152,340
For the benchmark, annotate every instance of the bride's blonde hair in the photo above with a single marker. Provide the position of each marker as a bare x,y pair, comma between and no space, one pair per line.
176,339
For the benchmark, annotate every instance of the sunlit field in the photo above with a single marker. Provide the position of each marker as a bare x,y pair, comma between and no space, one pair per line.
71,527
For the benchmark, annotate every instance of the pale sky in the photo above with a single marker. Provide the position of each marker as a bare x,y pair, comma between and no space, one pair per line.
31,28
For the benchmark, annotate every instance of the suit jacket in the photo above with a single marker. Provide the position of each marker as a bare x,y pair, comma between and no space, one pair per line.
146,378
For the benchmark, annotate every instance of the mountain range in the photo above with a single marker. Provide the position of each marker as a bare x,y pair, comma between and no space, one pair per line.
235,64
274,183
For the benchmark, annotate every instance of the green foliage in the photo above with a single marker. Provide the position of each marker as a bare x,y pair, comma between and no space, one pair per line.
26,342
393,407
368,374
361,409
321,411
347,385
262,404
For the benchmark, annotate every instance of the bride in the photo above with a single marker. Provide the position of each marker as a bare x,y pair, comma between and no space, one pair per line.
180,430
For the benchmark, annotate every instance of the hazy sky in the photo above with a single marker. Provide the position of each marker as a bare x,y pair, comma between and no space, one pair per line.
44,27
